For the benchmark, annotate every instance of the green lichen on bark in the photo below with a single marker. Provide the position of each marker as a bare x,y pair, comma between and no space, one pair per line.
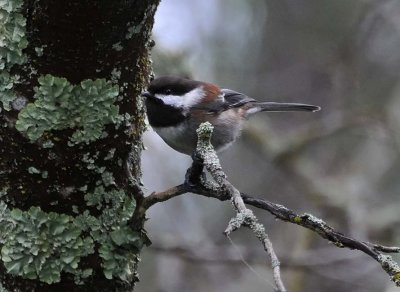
116,206
120,245
86,107
92,194
40,245
12,43
120,254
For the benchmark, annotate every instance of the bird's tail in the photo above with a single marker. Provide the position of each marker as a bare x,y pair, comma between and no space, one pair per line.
282,107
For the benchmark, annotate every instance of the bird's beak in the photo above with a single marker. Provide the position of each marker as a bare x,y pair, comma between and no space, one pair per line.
147,94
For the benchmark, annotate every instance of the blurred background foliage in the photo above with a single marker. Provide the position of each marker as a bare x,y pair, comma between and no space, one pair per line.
341,164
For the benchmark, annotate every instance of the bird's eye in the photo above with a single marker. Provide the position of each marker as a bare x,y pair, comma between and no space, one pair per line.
168,91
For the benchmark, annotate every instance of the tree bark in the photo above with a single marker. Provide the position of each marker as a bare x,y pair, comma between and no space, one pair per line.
71,73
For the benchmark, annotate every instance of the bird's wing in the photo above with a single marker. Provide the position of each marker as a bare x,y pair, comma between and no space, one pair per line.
229,99
235,99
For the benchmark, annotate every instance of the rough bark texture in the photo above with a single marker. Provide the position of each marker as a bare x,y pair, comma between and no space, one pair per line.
71,121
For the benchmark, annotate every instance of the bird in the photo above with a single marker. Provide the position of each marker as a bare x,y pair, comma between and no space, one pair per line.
176,107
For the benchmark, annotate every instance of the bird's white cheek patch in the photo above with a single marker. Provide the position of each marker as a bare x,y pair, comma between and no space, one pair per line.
185,101
193,97
173,100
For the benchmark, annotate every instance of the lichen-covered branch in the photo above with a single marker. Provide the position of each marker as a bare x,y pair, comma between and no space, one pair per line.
244,216
281,212
223,192
340,240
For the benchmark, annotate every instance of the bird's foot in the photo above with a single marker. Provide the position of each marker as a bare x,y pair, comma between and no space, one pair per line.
195,173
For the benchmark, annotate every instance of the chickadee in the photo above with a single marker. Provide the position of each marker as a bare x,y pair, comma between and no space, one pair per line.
177,106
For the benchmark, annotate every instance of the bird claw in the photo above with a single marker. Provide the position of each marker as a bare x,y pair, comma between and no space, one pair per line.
192,180
197,159
195,173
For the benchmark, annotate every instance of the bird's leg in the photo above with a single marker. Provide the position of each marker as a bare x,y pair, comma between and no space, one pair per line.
195,172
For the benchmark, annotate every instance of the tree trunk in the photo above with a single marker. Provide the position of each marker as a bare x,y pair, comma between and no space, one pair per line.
71,73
